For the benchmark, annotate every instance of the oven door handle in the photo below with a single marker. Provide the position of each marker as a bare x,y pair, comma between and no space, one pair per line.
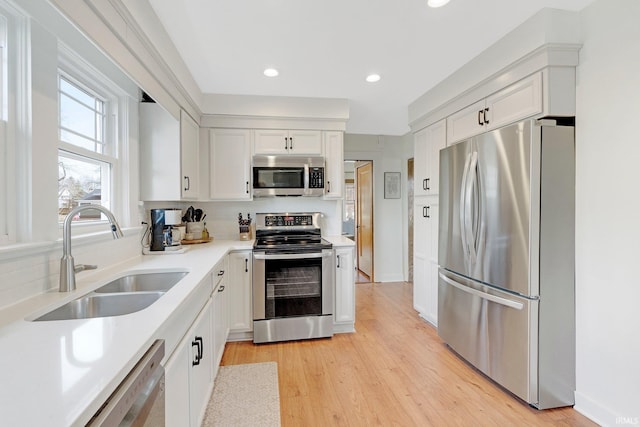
293,256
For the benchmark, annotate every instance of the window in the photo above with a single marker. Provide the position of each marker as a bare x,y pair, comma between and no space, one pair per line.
87,151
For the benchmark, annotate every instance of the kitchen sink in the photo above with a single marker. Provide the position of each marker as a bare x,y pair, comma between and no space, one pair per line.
102,305
143,282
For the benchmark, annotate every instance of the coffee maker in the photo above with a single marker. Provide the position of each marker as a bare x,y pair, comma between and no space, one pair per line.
162,222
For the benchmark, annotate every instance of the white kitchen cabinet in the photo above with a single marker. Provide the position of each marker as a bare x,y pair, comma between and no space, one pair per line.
294,142
220,315
425,258
334,164
230,164
169,150
515,102
188,374
344,316
240,301
427,145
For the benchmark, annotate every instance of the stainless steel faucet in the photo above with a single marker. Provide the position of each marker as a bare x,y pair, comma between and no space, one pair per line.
68,269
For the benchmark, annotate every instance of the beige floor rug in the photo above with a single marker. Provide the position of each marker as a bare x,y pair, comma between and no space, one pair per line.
245,395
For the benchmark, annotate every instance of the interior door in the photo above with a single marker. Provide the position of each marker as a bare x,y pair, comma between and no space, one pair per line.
364,207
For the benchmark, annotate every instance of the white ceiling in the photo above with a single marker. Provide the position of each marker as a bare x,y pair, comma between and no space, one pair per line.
326,48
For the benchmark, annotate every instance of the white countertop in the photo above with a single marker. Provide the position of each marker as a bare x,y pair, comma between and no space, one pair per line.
58,373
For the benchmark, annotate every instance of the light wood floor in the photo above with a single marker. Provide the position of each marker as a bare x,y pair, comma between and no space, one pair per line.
394,371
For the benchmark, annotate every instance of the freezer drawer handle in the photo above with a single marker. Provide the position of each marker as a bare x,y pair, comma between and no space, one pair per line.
493,298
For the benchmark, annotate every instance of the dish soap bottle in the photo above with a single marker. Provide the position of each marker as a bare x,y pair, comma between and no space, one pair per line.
205,232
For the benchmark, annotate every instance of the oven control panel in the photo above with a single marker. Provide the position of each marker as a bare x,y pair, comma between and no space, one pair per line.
287,220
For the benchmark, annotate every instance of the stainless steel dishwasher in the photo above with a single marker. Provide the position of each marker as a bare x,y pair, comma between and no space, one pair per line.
139,399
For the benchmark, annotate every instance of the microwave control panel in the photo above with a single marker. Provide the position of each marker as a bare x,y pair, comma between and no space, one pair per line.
316,177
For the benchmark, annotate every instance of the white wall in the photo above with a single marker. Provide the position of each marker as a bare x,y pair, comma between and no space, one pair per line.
607,211
387,154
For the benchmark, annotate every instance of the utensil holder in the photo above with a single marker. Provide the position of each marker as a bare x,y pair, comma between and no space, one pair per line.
195,228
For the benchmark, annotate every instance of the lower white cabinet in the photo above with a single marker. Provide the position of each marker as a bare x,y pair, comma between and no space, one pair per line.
239,288
344,316
189,374
219,324
425,258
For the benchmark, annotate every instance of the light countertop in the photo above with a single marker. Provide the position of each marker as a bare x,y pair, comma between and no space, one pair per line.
58,373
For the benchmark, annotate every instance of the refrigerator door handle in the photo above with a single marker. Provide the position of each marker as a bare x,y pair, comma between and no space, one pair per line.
489,297
463,207
470,181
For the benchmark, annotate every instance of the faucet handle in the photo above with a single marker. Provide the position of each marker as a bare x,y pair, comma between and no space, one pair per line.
82,267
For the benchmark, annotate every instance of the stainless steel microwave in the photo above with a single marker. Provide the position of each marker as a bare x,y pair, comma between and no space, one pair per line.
288,176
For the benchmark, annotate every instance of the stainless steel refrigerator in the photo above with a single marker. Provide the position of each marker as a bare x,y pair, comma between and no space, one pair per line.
506,257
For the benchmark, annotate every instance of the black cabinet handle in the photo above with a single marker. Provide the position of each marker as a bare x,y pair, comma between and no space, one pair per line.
197,343
221,273
186,178
290,143
486,121
428,188
221,288
246,265
424,212
247,185
424,184
286,143
338,264
480,118
427,216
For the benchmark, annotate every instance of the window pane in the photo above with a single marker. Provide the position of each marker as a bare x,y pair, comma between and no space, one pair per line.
76,92
80,182
77,117
78,140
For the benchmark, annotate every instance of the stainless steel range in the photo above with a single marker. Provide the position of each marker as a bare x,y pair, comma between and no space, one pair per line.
293,278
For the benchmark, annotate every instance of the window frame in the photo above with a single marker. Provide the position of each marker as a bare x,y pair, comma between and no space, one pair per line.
78,72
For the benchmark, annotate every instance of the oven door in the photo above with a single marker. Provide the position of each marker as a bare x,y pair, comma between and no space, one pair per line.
292,284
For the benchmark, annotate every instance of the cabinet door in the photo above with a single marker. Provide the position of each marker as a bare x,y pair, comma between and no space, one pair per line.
431,271
427,145
344,308
518,101
420,255
305,142
220,323
270,141
160,169
176,372
334,165
239,287
189,148
466,123
230,163
201,362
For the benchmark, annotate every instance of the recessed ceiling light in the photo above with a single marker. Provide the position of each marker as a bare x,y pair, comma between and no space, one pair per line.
271,72
372,78
437,3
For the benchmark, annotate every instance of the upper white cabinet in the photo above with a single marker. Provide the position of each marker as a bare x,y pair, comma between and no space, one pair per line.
169,150
334,165
230,164
425,258
189,156
517,101
295,142
427,145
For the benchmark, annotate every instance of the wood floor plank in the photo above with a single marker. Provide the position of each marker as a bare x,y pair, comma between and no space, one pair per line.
394,371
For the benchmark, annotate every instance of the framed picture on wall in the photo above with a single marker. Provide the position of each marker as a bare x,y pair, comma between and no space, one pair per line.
392,185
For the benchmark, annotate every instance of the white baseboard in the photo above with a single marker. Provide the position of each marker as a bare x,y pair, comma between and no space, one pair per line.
601,415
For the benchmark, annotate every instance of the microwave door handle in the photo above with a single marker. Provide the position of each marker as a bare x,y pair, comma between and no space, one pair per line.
306,178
